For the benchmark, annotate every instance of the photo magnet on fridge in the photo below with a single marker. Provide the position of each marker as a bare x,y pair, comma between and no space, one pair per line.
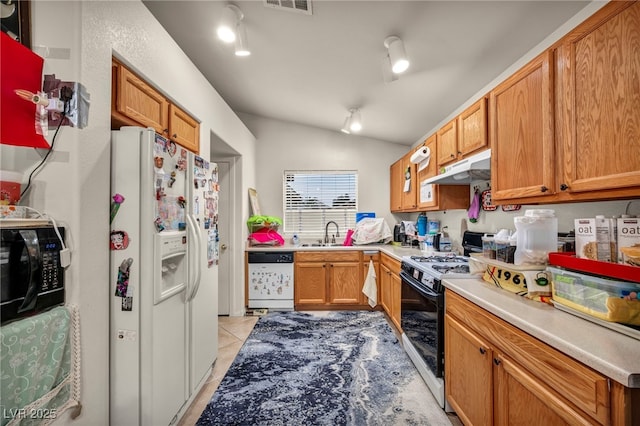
119,240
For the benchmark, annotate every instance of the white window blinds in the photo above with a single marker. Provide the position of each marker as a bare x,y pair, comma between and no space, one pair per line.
313,198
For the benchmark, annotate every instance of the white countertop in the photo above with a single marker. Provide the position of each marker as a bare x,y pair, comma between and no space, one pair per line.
613,354
394,251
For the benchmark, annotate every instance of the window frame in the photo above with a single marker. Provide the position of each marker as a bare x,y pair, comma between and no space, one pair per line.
315,226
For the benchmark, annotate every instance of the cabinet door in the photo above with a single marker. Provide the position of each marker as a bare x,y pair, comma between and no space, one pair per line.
345,286
427,196
385,289
521,124
409,170
472,128
310,283
396,182
468,374
447,140
521,399
140,102
184,129
367,258
601,94
396,294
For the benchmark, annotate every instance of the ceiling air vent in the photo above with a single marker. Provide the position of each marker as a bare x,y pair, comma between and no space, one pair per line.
301,6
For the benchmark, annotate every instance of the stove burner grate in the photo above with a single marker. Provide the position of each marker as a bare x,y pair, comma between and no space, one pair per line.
448,269
452,258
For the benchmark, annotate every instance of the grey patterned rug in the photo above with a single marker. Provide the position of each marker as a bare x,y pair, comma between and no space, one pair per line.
324,368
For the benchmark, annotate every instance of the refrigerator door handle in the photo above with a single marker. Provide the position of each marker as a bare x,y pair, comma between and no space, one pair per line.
195,236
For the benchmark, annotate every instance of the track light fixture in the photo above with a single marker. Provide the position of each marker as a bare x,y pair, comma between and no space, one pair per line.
353,122
231,29
242,45
397,55
231,16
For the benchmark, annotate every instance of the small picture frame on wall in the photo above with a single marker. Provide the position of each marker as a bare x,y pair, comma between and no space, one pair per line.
253,198
15,17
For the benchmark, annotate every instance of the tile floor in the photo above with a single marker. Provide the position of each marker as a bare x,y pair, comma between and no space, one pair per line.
232,332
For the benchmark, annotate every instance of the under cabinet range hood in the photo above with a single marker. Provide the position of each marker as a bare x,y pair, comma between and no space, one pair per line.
474,167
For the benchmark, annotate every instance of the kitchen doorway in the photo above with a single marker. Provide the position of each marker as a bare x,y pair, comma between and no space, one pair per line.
224,233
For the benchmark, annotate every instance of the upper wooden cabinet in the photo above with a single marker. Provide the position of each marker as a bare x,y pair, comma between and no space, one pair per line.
599,70
184,129
409,172
521,126
396,181
464,134
134,102
432,197
472,128
566,127
138,101
447,142
401,171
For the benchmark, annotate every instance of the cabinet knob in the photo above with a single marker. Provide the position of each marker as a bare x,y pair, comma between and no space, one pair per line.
496,361
175,135
453,156
459,153
165,131
483,351
543,189
564,187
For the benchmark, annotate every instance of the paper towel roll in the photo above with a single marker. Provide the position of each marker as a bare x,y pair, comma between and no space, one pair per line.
421,157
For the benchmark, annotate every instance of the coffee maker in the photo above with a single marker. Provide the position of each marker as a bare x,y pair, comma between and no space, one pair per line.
399,235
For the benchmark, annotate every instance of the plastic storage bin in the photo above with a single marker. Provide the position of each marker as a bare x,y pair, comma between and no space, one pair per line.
488,247
608,300
537,236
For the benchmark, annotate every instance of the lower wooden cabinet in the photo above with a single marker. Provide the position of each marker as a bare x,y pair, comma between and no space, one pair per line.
495,374
390,288
328,280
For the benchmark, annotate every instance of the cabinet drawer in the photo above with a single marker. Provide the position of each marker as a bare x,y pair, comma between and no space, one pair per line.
583,387
391,263
327,256
370,255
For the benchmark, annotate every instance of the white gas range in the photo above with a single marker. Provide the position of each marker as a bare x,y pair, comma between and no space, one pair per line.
422,313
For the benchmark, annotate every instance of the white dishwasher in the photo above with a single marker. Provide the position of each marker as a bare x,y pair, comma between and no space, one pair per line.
270,280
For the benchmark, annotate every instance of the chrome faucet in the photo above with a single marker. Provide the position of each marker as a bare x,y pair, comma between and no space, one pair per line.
326,232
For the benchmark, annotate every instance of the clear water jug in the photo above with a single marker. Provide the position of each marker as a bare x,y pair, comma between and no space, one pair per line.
537,236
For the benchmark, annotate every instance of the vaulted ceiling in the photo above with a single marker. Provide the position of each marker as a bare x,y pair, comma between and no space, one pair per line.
311,68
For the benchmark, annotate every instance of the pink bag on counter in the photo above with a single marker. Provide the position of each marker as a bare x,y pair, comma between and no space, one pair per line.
266,238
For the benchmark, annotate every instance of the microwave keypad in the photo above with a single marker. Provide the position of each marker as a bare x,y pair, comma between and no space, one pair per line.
50,262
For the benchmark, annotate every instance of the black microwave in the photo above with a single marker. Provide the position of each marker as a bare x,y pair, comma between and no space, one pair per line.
32,277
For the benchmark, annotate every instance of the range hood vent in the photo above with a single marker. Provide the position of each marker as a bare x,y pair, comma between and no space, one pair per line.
475,167
301,6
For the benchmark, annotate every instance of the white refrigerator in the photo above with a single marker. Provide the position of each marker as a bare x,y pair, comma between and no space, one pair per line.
164,278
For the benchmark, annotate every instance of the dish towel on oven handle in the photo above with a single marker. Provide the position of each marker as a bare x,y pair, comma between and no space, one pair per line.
370,288
40,367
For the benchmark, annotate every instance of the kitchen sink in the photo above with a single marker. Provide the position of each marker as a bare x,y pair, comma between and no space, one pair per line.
319,245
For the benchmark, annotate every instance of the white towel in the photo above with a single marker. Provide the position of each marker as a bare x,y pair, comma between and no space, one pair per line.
370,288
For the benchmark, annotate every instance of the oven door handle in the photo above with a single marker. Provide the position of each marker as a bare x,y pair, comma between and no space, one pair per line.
429,294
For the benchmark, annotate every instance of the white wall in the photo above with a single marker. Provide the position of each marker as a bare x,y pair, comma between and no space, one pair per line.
457,221
288,146
74,185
